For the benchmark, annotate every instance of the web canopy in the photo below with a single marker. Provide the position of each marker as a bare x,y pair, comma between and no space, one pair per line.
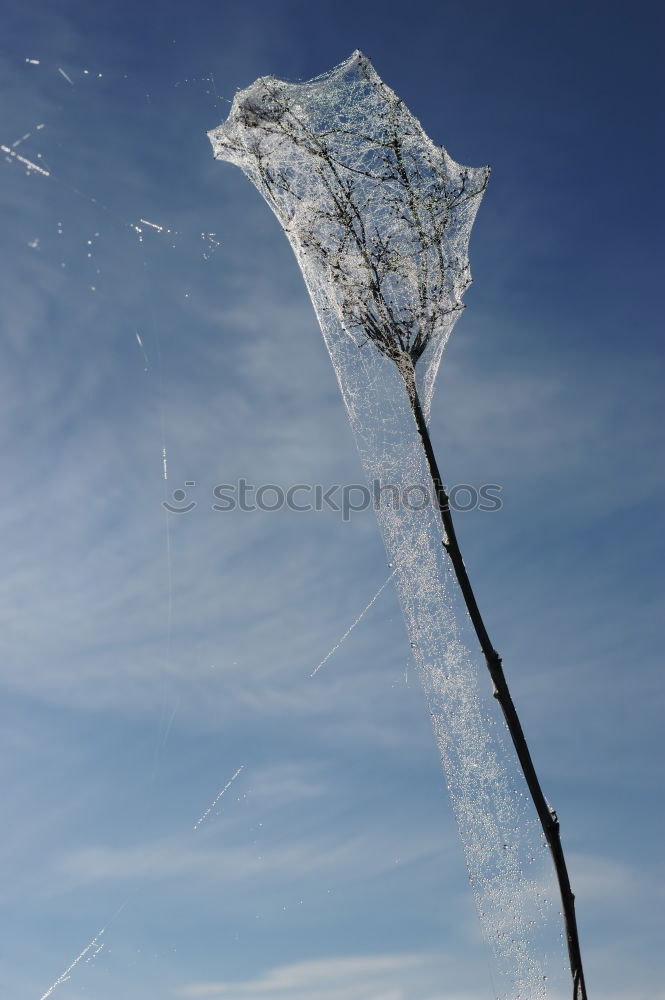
378,216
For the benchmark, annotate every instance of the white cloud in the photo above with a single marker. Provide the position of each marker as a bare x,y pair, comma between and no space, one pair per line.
598,880
366,977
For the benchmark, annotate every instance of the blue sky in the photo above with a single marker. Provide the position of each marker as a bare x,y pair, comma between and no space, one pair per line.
141,670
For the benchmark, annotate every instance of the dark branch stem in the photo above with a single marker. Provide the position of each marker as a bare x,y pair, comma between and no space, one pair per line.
546,815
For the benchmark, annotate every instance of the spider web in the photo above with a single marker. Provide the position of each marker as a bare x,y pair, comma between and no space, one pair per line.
379,219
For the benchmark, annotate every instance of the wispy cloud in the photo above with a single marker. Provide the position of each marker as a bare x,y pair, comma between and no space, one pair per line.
365,977
253,865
